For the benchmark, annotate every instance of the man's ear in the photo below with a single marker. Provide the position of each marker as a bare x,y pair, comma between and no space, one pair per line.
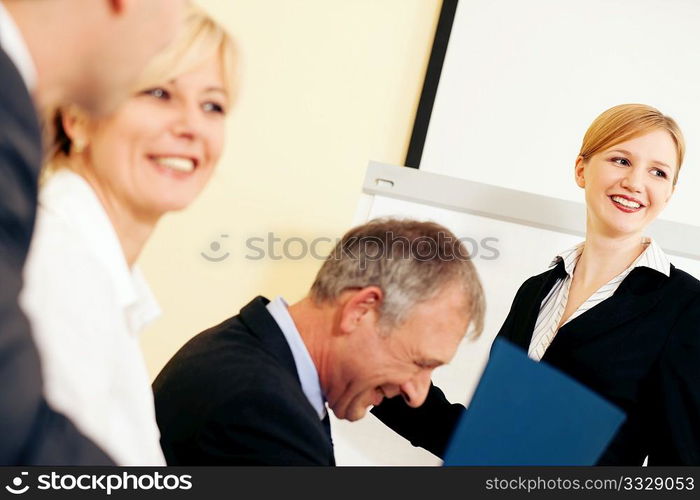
578,171
361,308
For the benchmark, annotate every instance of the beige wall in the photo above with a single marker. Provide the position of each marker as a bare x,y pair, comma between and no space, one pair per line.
327,85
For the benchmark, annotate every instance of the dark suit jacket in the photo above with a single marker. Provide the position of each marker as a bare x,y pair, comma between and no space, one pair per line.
232,396
640,349
32,433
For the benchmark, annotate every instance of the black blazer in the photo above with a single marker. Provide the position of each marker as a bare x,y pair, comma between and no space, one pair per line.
32,433
232,396
640,349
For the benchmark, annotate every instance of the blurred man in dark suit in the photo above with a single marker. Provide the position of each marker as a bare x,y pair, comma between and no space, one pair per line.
54,52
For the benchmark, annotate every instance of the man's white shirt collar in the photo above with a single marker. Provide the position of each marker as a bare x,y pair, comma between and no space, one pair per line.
308,376
12,42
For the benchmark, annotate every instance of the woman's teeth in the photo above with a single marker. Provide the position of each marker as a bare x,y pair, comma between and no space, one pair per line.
174,163
625,203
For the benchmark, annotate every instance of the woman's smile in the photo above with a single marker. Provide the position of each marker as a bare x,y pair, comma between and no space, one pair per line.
626,204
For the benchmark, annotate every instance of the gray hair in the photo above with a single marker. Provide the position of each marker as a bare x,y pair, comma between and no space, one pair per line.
409,260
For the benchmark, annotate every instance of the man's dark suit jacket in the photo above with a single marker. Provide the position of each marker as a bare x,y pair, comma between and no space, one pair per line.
31,433
232,396
640,349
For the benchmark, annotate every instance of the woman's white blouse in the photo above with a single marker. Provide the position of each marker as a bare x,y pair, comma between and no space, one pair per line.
87,308
553,305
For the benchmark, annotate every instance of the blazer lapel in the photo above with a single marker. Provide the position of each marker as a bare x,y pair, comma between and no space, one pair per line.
261,323
640,291
526,317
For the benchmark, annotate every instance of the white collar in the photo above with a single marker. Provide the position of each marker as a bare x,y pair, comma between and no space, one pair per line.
652,257
12,42
71,197
308,376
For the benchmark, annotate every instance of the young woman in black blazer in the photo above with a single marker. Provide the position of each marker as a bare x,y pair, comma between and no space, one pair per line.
611,312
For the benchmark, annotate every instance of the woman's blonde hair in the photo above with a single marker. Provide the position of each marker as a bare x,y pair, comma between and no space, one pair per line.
199,38
627,121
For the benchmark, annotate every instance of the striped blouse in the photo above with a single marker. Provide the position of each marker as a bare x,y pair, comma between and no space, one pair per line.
554,303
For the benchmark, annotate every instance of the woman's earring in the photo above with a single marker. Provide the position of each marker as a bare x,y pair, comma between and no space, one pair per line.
79,146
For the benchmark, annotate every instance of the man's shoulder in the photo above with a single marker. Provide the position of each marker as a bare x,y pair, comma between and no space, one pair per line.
20,158
231,338
226,376
16,105
228,355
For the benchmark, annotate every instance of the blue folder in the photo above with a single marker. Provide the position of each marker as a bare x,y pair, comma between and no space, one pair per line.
528,413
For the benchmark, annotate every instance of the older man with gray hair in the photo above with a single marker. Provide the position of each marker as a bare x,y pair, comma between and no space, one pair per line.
391,303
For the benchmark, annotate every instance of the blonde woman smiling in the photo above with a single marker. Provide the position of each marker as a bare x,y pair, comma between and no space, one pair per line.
107,186
612,312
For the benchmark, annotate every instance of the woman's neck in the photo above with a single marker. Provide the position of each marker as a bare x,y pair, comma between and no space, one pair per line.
605,257
133,232
133,228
